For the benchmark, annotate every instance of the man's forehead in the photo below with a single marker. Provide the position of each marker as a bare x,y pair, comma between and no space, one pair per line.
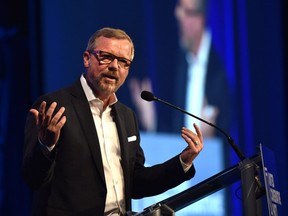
121,47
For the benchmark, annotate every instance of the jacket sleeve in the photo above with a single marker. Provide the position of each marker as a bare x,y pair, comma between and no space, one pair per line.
150,181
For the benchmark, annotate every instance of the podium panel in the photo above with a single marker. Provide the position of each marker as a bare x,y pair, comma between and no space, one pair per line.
273,195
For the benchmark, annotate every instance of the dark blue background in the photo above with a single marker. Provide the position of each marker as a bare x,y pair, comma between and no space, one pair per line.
41,46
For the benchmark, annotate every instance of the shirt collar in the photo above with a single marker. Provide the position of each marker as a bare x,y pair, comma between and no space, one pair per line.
203,51
90,95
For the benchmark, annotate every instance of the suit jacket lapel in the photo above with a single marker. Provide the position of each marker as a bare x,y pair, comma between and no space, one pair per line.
120,124
85,117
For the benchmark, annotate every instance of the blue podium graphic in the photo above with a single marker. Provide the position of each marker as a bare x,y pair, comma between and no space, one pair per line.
271,180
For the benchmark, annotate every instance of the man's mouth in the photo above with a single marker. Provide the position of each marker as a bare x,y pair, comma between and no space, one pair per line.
110,77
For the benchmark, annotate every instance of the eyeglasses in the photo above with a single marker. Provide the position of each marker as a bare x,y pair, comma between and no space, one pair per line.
106,58
191,12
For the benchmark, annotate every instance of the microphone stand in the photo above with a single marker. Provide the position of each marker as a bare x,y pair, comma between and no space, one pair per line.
249,173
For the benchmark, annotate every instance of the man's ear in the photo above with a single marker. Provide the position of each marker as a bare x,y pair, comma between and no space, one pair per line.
86,59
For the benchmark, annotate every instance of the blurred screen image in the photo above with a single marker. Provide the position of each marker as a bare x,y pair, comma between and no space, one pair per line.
160,147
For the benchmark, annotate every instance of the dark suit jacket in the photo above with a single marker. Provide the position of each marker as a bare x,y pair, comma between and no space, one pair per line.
70,180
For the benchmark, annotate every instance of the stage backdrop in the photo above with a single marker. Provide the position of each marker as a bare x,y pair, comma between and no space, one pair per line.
41,46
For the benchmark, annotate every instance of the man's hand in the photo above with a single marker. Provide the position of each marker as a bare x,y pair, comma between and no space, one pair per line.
49,126
195,144
146,110
210,114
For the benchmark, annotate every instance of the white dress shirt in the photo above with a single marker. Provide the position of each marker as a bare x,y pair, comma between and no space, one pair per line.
110,151
197,67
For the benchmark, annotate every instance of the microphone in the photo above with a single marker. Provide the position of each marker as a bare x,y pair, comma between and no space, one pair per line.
148,96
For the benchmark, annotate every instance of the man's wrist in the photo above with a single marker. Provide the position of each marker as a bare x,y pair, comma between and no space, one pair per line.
185,166
43,146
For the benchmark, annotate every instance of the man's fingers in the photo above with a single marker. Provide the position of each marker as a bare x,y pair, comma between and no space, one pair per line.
198,131
57,120
48,114
194,141
41,113
61,123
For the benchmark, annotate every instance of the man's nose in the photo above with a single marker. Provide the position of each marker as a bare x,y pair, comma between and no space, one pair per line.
114,64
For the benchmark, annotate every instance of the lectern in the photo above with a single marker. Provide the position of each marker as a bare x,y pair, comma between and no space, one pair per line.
245,171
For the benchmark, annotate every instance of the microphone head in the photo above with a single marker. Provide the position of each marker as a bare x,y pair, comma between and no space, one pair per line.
148,96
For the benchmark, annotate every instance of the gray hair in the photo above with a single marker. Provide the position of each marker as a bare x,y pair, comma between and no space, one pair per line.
109,33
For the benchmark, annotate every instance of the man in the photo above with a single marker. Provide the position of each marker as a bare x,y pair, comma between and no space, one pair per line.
197,78
82,146
200,77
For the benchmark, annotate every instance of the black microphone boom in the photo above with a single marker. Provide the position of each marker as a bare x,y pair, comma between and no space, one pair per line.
148,96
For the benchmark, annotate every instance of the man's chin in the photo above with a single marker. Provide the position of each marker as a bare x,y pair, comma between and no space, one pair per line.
108,89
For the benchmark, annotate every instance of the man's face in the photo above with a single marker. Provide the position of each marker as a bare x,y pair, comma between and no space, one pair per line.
105,79
190,20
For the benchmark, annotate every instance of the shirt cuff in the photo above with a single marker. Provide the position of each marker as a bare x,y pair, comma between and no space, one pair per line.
185,166
44,147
